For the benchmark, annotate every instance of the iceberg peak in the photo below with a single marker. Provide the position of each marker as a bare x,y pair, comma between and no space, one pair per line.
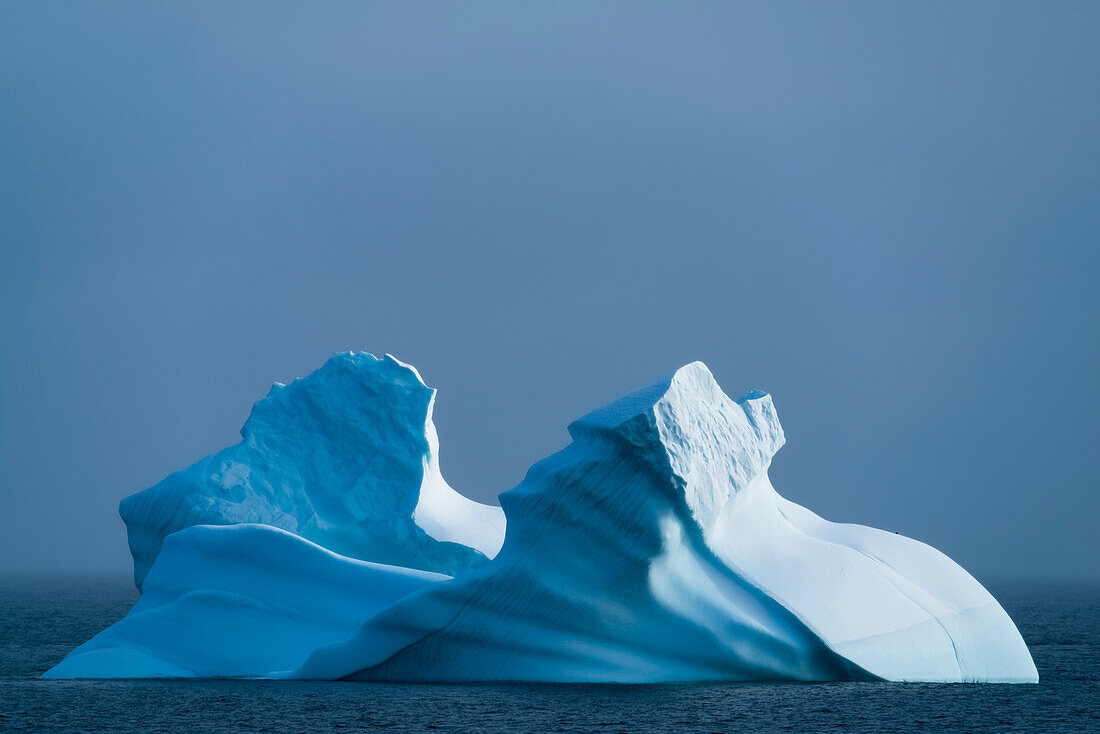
643,401
346,371
694,435
346,457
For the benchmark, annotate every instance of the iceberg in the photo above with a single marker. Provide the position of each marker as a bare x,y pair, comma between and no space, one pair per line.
347,457
653,548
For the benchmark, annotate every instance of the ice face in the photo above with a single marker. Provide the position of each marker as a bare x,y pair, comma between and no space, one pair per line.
652,548
346,457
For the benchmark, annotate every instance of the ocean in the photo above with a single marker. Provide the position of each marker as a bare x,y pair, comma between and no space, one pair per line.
42,618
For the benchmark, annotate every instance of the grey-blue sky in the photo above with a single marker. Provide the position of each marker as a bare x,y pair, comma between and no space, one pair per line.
887,215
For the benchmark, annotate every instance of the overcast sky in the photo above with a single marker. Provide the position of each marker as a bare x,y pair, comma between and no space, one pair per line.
885,214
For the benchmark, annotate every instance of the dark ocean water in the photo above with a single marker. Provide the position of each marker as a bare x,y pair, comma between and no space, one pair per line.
41,619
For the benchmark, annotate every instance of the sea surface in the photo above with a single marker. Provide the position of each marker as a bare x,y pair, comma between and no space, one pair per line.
42,618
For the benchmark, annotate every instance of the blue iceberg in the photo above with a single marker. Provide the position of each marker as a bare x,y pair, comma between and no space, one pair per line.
653,548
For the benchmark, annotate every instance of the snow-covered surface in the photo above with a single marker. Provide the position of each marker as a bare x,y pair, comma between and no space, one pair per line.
239,601
346,457
652,548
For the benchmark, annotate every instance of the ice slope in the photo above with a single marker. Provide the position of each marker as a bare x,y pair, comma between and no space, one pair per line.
238,601
346,457
653,548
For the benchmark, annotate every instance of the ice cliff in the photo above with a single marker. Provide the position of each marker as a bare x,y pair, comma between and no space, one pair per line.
652,548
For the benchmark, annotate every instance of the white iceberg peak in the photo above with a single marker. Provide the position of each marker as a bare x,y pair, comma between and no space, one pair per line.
703,442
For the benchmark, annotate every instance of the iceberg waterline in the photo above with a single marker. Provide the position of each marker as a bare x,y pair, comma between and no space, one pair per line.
652,548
